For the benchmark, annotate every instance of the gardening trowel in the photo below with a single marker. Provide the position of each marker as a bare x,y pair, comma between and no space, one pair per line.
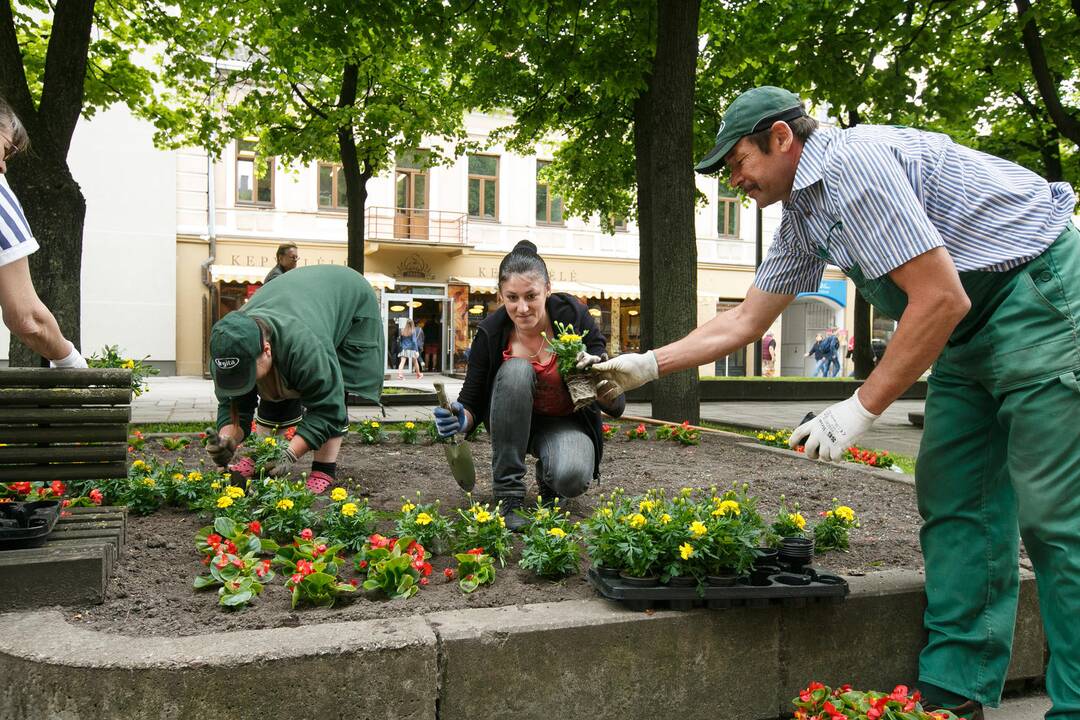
458,453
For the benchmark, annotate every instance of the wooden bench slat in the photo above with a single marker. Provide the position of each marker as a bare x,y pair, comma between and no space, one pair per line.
62,415
71,434
22,454
31,397
63,377
75,471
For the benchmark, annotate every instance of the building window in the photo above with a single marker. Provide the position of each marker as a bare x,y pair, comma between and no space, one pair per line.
727,216
618,223
332,187
549,207
484,187
252,189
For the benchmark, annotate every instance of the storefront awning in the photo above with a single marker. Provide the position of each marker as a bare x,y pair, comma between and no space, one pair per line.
478,284
238,273
378,280
623,292
575,288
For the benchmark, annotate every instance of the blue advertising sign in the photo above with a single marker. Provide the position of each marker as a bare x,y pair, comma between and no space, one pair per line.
835,290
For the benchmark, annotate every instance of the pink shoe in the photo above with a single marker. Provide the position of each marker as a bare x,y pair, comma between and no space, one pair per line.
318,481
245,468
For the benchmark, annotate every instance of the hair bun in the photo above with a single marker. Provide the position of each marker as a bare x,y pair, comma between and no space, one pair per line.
525,246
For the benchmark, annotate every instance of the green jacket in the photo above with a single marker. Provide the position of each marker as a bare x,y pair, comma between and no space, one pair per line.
326,340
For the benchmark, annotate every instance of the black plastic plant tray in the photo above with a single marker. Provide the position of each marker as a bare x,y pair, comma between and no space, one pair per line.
27,524
822,587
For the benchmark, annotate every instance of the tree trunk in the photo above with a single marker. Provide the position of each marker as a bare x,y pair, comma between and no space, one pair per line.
55,210
643,172
673,259
356,178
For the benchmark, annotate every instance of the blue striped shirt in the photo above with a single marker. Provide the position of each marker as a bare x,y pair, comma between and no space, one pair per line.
878,196
14,230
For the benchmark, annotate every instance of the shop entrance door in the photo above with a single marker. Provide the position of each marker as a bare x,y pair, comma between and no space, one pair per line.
431,312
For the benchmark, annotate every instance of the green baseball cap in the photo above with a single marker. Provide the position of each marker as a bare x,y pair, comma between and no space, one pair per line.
750,112
235,344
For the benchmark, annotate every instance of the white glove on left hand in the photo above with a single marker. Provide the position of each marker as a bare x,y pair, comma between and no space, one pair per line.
835,430
624,373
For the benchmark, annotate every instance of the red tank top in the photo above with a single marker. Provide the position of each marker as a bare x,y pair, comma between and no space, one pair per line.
551,396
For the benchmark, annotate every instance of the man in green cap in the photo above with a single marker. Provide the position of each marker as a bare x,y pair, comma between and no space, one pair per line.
979,262
306,339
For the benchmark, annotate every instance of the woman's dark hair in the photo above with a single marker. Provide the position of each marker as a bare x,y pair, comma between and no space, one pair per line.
523,260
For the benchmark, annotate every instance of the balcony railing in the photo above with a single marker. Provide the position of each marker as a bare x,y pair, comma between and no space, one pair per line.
417,225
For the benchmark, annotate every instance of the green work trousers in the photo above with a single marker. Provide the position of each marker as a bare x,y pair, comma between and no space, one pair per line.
1000,461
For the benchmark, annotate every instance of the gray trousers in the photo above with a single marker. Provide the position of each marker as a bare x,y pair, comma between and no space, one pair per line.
564,451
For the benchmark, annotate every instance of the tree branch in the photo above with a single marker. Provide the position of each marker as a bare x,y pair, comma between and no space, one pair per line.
13,85
1065,121
65,72
303,98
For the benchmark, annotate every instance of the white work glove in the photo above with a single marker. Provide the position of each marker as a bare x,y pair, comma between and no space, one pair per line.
585,360
833,431
624,373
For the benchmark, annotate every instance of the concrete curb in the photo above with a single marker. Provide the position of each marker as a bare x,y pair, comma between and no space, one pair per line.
587,658
891,476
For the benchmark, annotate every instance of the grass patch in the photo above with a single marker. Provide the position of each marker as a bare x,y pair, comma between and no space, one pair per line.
169,427
786,378
394,390
748,432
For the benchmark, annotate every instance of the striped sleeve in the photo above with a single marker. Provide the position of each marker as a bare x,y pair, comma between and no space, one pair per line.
788,271
884,223
14,230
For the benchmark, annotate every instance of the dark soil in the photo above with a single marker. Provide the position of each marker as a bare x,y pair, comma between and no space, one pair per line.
151,593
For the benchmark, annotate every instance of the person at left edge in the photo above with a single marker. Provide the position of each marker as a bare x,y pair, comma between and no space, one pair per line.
310,337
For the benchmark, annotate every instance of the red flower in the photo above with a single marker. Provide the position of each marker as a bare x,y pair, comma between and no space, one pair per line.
606,427
230,546
22,488
378,541
65,503
96,497
220,561
319,550
685,424
423,567
65,513
255,527
296,578
306,534
416,550
476,551
640,428
262,568
449,573
237,562
58,488
363,564
899,693
213,540
304,567
423,581
202,436
354,582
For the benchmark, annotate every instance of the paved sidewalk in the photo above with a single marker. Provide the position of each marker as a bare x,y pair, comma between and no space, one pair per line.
191,399
1032,707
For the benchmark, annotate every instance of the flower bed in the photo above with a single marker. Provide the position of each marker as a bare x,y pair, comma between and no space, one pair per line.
152,592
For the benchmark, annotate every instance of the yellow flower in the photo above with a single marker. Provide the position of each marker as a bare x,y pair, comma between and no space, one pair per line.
234,492
128,365
284,504
140,465
665,518
502,521
646,505
348,509
686,550
727,507
178,476
845,513
224,501
686,492
483,516
605,512
374,424
148,482
338,494
194,476
569,338
270,442
408,507
215,485
410,425
423,519
557,532
637,520
798,519
698,529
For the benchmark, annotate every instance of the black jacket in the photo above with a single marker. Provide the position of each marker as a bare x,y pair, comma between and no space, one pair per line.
486,357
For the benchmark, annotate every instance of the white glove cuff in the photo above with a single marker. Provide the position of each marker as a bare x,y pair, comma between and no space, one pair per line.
654,367
861,408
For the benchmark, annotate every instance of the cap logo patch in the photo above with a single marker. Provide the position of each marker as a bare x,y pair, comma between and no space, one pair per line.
721,130
227,363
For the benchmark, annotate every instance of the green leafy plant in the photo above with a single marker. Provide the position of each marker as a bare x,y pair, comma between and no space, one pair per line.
195,490
409,433
348,520
820,702
833,531
550,548
873,458
371,432
265,451
565,346
110,357
396,568
789,523
610,430
474,568
774,438
424,522
637,433
241,578
481,526
175,443
601,530
682,434
284,507
144,490
312,565
136,441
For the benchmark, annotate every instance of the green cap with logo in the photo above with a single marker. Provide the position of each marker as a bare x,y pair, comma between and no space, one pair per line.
753,111
235,344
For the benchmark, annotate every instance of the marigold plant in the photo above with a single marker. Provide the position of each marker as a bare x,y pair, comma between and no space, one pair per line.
371,432
348,520
774,438
483,526
424,522
111,357
550,546
565,346
409,433
173,444
265,451
284,507
789,522
833,531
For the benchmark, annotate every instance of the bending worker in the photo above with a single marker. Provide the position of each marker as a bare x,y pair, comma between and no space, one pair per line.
299,344
979,262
